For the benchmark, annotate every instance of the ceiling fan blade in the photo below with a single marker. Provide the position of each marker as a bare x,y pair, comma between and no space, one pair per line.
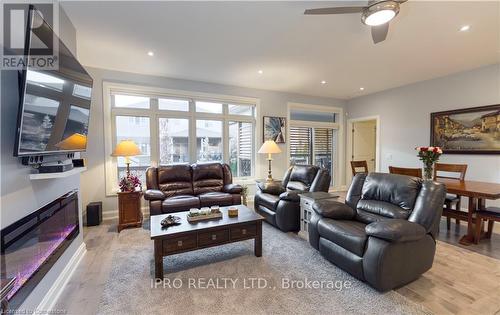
337,10
379,33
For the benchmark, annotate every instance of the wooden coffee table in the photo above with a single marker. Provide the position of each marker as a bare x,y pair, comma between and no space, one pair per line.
187,236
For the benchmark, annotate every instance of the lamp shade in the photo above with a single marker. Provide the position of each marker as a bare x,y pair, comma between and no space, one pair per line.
76,141
269,146
126,148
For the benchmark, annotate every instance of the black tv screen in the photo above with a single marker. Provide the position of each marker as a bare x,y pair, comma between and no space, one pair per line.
54,107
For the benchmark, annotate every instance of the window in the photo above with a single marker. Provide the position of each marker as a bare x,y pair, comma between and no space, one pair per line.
174,140
130,101
141,136
173,104
240,148
300,145
309,145
209,107
209,140
241,110
179,128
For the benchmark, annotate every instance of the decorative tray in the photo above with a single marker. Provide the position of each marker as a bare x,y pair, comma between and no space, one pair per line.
205,213
202,217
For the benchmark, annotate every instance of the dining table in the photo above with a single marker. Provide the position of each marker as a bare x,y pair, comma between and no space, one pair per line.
477,192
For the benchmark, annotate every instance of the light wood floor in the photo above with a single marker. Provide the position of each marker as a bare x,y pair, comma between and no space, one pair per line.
461,281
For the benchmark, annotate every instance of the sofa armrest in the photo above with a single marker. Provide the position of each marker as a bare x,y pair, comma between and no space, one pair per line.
396,230
232,189
333,209
272,188
291,196
154,194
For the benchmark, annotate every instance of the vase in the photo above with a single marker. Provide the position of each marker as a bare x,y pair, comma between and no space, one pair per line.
428,170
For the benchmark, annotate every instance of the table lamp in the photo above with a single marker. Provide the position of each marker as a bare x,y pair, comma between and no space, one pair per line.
126,148
269,147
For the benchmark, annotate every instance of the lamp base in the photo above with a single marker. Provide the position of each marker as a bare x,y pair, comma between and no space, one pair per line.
269,175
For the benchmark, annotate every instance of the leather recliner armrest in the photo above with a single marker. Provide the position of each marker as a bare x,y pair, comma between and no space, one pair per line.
233,189
333,209
271,188
396,230
154,194
290,196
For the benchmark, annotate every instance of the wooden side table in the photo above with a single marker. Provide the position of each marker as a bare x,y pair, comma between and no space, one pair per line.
129,210
306,210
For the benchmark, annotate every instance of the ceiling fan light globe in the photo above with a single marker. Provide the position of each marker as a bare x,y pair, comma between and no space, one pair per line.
379,17
380,13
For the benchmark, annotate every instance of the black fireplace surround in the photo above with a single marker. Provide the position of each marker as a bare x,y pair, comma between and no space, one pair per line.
32,245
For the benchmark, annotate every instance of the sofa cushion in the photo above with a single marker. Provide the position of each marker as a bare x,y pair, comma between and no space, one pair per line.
399,190
215,199
175,180
347,234
383,208
207,178
180,203
267,200
301,177
368,217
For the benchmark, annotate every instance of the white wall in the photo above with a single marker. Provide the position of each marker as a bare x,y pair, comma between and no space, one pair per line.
272,104
405,117
19,195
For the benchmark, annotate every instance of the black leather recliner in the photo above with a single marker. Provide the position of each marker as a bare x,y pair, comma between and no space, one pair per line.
385,232
280,205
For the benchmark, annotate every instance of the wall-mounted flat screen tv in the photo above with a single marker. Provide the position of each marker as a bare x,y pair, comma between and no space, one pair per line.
54,106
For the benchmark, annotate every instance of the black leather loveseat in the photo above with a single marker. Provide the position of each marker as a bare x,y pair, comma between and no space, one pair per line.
280,204
385,232
179,187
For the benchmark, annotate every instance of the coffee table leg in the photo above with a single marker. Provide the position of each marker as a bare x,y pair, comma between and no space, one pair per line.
258,240
158,259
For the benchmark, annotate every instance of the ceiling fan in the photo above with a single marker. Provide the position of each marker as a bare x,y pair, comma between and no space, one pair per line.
376,14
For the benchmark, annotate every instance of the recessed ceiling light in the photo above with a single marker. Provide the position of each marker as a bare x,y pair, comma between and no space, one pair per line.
323,82
260,72
151,54
465,28
361,88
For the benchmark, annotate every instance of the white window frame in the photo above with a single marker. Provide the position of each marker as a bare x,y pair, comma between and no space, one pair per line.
110,88
338,125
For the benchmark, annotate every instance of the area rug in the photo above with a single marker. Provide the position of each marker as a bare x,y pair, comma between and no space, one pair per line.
290,278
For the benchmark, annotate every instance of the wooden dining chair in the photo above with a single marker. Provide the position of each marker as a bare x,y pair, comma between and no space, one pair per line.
452,202
359,164
490,214
414,172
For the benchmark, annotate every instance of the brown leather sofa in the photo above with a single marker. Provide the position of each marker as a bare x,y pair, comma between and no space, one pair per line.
175,188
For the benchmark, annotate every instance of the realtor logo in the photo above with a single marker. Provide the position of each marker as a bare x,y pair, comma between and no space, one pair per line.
28,38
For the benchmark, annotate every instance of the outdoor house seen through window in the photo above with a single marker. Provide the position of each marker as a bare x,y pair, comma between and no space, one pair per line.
171,130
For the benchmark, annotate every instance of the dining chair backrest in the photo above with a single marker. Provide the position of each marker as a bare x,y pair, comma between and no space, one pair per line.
359,164
458,169
414,172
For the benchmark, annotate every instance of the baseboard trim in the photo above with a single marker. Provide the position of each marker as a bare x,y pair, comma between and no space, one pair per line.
49,300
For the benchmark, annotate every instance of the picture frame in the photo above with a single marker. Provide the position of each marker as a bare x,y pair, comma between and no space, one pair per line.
474,130
274,129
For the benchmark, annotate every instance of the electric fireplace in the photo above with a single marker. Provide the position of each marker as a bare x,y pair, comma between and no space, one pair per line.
32,245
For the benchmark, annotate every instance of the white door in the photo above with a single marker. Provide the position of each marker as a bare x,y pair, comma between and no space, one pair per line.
364,136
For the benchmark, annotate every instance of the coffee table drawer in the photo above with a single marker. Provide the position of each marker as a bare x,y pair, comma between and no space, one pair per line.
243,231
179,244
213,237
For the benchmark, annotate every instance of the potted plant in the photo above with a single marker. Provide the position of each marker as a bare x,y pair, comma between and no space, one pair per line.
429,156
130,183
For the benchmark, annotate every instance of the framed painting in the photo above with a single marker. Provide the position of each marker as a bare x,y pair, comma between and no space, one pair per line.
467,131
274,129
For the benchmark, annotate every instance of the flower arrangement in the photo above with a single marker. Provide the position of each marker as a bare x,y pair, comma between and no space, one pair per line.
429,156
130,183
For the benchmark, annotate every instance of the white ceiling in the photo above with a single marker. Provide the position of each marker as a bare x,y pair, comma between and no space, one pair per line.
228,42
